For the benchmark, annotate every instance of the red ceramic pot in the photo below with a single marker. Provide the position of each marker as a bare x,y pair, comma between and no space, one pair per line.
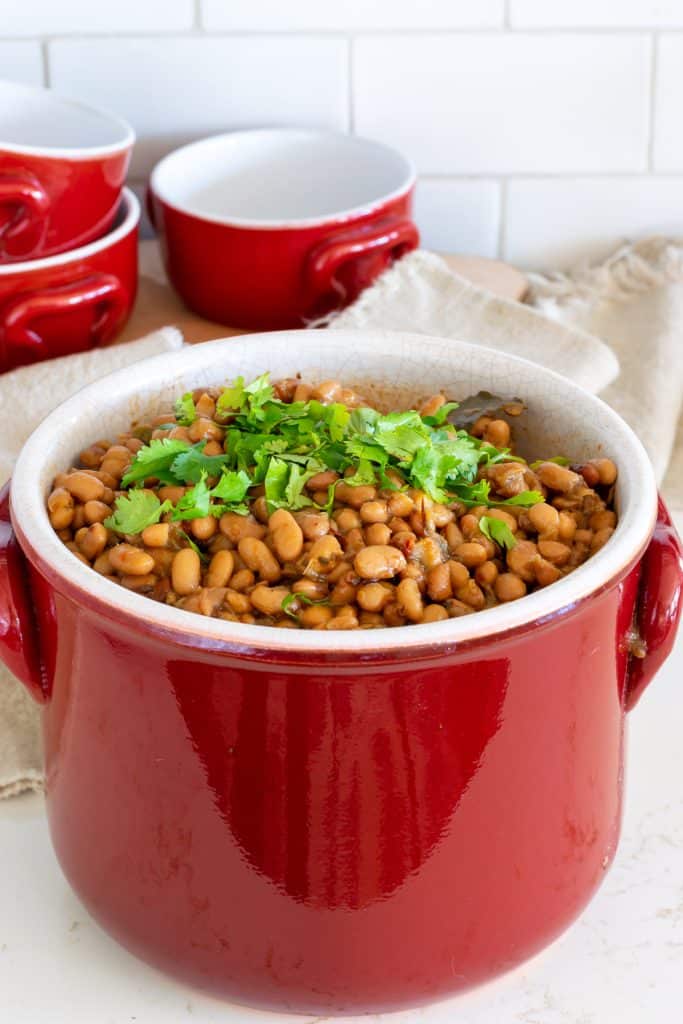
62,168
71,302
350,821
272,229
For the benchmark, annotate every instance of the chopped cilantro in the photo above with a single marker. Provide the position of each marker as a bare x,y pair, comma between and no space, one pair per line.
188,466
559,459
497,531
135,511
289,600
154,460
185,412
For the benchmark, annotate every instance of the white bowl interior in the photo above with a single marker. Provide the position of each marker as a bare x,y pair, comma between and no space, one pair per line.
561,418
37,120
269,176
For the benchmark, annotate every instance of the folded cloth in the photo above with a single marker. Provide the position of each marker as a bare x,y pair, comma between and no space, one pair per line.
27,395
615,329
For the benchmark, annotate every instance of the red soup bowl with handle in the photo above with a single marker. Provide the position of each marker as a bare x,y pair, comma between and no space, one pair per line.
347,821
270,229
62,168
70,302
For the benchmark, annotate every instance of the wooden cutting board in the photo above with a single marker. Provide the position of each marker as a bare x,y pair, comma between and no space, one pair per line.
157,305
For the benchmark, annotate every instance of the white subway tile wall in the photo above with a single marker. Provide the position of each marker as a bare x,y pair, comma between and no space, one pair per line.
543,132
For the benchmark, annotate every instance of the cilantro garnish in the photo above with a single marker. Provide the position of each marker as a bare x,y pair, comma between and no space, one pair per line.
289,600
135,511
497,531
281,445
185,412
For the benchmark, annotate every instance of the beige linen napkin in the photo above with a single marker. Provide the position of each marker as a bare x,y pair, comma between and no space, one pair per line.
615,329
35,391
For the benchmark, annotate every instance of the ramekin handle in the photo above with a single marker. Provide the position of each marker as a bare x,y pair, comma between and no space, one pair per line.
18,634
659,604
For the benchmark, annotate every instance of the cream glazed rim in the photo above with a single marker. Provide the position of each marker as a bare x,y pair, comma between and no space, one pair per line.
110,404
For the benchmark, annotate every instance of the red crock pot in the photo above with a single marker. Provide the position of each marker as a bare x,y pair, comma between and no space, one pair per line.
273,228
62,168
337,822
71,302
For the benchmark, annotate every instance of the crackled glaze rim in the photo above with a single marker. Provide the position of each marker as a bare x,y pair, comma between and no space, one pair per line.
128,392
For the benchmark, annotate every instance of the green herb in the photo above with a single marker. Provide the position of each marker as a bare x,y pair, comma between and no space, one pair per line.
185,412
438,418
134,511
497,531
188,466
232,486
195,502
525,500
155,460
301,599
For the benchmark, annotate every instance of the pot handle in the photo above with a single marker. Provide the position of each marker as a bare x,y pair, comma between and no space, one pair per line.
659,605
31,200
395,235
18,633
104,290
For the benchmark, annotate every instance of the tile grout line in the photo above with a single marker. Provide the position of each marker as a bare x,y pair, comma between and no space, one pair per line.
652,110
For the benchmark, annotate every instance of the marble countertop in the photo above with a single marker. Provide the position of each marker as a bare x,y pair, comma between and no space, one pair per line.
621,962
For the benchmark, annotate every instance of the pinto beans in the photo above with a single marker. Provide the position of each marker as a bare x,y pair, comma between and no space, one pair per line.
288,537
379,562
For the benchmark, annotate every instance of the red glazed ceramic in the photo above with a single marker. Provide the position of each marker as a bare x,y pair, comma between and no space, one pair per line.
71,302
62,168
353,821
271,229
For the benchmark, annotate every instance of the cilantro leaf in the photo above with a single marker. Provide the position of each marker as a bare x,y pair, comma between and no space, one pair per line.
289,600
195,503
154,460
231,398
188,467
136,510
232,486
497,531
526,499
185,411
560,460
438,418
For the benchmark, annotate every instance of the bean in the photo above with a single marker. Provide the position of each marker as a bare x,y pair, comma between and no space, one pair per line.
84,487
377,533
92,456
453,536
163,560
393,616
471,594
142,584
509,587
607,471
486,574
545,572
434,613
354,496
339,570
242,579
203,428
409,600
237,527
60,507
185,571
131,561
156,536
96,511
469,525
179,434
327,391
405,541
373,597
347,519
602,520
302,393
313,524
370,620
508,478
374,512
497,433
344,591
601,537
204,527
268,600
353,542
210,599
566,528
459,574
93,541
583,537
544,518
172,493
439,585
470,554
316,590
220,569
205,406
557,478
212,448
78,517
103,565
432,405
520,559
323,556
554,552
321,481
400,505
379,562
288,538
316,615
237,602
259,559
429,551
343,621
455,609
442,515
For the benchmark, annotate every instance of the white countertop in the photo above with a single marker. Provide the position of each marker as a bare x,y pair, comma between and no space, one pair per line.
621,963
